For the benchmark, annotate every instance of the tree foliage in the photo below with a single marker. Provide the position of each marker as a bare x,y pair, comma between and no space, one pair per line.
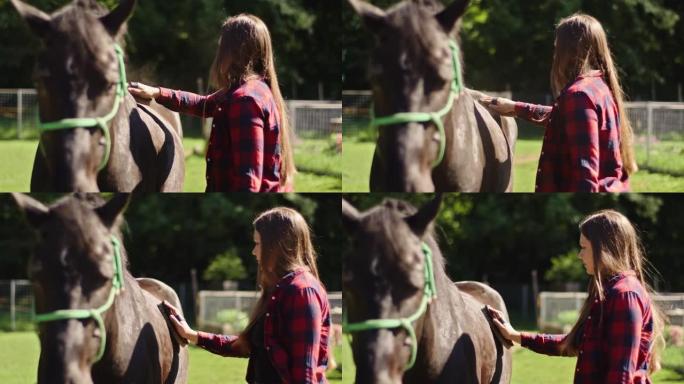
508,45
173,42
167,236
504,237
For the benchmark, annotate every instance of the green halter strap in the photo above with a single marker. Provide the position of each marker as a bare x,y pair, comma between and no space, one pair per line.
429,294
67,314
435,117
100,122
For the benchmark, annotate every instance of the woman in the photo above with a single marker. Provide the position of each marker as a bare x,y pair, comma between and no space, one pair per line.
587,145
286,339
249,148
614,338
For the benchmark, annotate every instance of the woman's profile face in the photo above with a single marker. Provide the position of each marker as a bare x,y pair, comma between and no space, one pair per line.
256,251
586,254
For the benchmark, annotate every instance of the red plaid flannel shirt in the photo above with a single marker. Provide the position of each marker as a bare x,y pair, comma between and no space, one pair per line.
296,330
581,148
244,145
617,349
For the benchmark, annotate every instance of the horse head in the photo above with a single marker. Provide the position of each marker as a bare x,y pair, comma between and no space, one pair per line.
76,76
411,70
384,278
72,268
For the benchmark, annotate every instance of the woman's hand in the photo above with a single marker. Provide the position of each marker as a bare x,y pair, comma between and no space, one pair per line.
503,106
506,329
143,91
180,324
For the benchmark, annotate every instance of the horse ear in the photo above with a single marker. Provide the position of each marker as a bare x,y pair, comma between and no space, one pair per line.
372,16
450,15
350,215
420,221
38,21
116,18
111,210
35,211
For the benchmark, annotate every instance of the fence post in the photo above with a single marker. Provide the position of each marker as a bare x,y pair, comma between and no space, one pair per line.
13,322
20,112
649,129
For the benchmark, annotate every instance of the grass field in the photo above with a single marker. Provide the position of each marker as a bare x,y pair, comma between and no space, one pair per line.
357,156
530,367
19,359
319,167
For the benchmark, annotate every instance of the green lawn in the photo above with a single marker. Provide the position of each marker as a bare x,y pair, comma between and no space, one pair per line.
19,353
319,166
357,156
530,367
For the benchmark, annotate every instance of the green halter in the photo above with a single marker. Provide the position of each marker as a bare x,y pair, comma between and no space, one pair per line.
67,314
429,293
100,122
435,117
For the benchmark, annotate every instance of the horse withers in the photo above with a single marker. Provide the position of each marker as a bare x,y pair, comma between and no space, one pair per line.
432,133
394,265
93,134
96,322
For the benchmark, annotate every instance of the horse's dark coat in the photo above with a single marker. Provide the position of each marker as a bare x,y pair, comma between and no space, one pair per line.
383,278
76,75
72,269
411,71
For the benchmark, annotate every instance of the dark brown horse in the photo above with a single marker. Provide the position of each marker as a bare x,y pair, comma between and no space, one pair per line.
383,278
72,268
411,70
76,77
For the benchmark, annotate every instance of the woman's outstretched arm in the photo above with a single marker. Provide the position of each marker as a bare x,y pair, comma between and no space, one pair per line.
540,343
224,345
179,101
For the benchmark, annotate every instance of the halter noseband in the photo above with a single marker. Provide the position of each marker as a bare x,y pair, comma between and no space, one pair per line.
429,294
100,122
67,314
435,117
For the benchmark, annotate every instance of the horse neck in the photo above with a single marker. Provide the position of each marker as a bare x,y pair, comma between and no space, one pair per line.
448,300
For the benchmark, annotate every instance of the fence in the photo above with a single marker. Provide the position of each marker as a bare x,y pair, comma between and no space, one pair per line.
357,104
211,303
658,126
558,310
310,118
18,111
16,305
315,119
659,135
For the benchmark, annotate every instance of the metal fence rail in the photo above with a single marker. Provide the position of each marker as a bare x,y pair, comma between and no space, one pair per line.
310,118
210,303
16,304
658,126
553,304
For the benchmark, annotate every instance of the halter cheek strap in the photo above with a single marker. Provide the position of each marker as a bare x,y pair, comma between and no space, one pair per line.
100,122
434,117
429,294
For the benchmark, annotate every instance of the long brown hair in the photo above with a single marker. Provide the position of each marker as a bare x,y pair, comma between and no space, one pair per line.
616,248
582,46
245,52
285,246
